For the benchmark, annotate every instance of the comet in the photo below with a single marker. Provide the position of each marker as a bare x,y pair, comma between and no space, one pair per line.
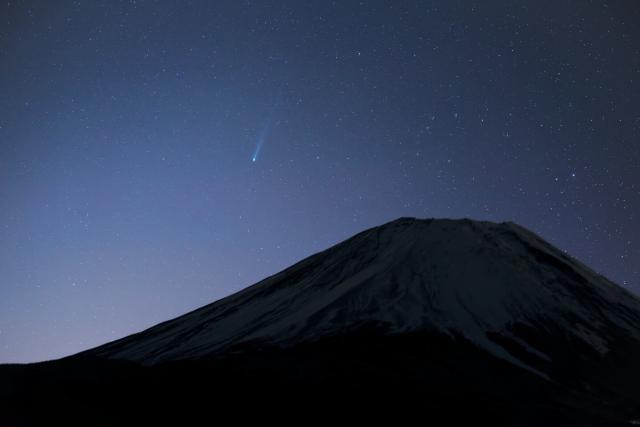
262,138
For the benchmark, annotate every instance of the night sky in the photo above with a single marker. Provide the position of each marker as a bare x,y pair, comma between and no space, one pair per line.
158,155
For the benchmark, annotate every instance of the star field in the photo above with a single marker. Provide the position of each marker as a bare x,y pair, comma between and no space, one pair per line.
158,155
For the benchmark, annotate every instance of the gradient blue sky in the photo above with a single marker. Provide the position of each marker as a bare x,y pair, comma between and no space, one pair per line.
128,194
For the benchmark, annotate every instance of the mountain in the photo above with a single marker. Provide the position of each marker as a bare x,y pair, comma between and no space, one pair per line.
478,321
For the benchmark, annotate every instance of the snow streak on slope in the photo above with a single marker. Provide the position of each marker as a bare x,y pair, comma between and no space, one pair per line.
462,278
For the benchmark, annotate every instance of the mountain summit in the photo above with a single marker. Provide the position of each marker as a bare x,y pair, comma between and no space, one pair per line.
497,285
459,313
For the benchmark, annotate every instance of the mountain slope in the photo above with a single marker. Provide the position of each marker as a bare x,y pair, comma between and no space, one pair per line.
458,321
487,282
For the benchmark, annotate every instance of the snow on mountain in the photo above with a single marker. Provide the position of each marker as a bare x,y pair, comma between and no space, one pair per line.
471,279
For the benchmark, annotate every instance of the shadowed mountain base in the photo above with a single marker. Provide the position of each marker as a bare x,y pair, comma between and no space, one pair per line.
363,376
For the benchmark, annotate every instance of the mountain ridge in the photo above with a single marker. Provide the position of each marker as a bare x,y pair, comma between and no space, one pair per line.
393,275
458,321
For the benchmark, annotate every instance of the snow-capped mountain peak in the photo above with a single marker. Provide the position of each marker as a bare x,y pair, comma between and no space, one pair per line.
498,286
